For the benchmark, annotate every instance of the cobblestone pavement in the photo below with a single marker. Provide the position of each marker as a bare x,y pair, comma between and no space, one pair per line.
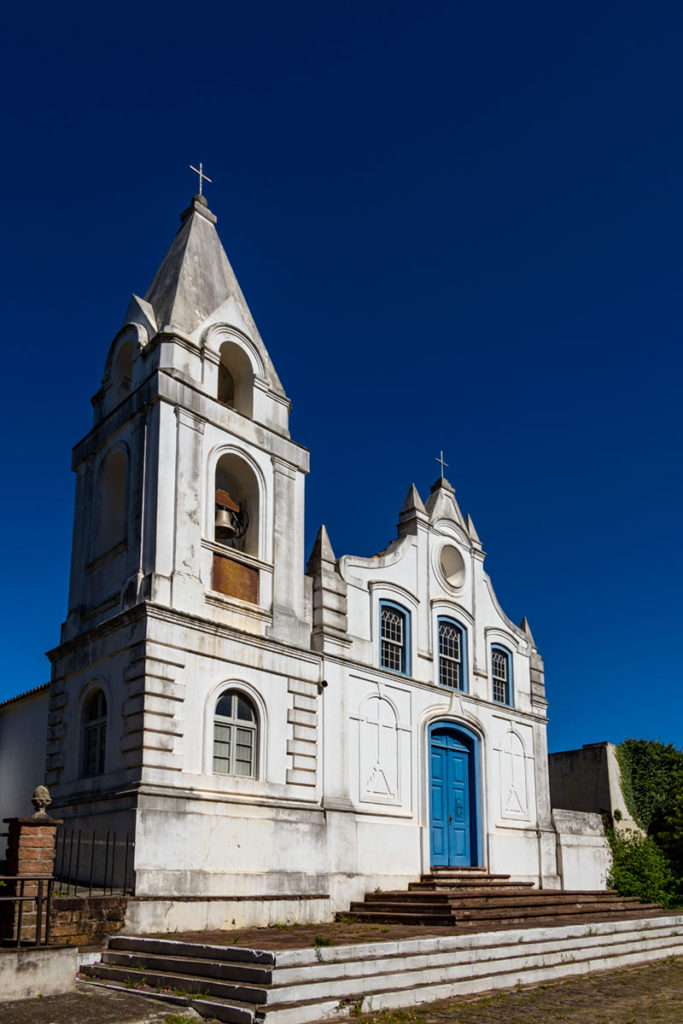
91,1005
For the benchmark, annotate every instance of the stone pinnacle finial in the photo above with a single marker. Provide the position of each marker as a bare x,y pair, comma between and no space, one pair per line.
471,529
413,502
322,551
526,628
41,799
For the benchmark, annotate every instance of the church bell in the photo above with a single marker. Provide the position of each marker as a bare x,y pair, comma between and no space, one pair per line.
225,528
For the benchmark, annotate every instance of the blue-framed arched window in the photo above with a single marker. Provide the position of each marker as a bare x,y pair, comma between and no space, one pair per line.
394,637
501,674
452,654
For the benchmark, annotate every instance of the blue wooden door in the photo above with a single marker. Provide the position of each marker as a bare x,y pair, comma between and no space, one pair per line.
450,803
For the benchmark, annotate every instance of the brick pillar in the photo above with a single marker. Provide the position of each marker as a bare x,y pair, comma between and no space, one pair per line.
31,848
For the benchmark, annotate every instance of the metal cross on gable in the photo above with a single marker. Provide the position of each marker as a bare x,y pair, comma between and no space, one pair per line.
202,176
443,464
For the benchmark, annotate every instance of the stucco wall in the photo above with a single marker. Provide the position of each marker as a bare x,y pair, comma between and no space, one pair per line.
589,780
23,735
583,853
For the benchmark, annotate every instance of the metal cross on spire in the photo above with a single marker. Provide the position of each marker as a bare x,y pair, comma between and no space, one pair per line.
202,176
443,464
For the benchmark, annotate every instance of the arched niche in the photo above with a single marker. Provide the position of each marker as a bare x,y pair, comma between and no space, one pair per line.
235,478
379,751
111,503
235,378
513,778
122,369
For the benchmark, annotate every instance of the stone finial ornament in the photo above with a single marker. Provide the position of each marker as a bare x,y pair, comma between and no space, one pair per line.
41,799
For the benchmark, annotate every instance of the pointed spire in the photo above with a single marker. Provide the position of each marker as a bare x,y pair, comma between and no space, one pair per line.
526,628
471,529
322,551
413,502
441,503
411,512
195,277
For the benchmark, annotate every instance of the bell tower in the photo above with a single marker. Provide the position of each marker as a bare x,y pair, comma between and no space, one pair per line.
190,492
189,498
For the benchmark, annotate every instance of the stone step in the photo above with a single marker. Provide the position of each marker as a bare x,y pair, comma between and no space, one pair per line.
427,918
507,977
229,954
445,896
194,966
408,974
464,868
529,900
177,983
459,875
523,913
311,985
482,883
233,1012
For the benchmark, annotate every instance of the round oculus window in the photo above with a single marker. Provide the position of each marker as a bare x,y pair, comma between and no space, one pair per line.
452,565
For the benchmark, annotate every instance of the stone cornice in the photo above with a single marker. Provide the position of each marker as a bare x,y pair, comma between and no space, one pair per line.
147,610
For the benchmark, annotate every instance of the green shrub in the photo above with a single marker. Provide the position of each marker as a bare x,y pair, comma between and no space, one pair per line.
669,834
651,779
640,868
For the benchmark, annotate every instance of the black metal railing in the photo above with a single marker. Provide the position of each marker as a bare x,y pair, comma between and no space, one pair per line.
17,905
93,863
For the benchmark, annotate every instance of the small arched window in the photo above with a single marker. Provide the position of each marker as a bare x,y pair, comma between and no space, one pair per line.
501,675
394,638
94,734
452,655
235,379
235,735
111,525
122,370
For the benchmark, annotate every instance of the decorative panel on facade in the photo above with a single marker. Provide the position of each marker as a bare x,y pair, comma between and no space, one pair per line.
235,579
378,751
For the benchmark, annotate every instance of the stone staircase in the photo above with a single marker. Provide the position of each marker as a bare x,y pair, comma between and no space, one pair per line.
474,898
251,986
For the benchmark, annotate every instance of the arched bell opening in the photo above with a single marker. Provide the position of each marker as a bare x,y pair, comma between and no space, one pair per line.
235,379
111,504
122,370
236,500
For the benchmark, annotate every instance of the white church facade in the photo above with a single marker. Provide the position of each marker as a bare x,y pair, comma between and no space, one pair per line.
260,728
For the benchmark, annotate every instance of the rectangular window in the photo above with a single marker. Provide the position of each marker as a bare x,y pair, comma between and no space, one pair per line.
500,671
393,638
451,655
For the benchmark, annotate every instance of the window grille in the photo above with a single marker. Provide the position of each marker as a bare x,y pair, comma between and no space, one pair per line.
393,640
500,670
450,655
235,732
94,734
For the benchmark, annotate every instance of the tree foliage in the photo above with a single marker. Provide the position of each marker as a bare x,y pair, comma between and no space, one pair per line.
652,779
650,866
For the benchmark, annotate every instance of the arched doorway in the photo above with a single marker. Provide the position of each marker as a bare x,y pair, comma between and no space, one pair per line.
453,795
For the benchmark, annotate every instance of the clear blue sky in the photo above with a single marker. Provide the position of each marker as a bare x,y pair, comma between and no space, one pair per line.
458,227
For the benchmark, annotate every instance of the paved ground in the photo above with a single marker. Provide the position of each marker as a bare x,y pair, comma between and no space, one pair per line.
340,933
95,1006
652,994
